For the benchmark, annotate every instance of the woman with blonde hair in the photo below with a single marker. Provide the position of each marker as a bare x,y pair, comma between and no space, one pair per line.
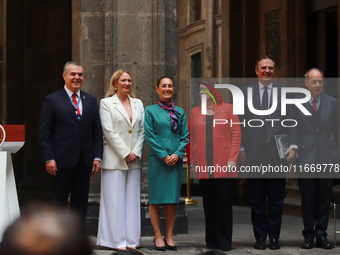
122,118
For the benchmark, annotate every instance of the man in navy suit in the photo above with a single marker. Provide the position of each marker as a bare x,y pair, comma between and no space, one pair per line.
71,139
315,138
266,195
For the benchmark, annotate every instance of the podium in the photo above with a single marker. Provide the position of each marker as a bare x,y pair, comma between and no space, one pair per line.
12,138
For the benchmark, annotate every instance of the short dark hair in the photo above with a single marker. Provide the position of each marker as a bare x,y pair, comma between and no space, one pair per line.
163,77
261,58
73,62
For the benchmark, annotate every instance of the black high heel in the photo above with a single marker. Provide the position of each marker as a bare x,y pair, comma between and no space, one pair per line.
170,247
159,248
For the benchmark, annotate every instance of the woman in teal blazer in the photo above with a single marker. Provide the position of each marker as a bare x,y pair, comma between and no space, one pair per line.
166,132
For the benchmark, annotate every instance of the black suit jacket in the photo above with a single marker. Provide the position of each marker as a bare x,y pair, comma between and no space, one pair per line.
63,138
251,136
316,140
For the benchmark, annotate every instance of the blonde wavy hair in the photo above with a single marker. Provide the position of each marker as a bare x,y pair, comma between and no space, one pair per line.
114,78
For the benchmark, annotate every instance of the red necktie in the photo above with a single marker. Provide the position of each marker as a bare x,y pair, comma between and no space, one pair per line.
315,107
74,100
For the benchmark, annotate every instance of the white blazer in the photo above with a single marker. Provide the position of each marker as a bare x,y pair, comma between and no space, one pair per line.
120,135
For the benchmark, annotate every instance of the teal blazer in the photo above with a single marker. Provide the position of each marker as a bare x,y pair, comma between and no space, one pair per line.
164,182
163,141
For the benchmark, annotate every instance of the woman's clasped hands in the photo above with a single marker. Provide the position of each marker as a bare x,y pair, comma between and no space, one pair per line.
171,160
131,157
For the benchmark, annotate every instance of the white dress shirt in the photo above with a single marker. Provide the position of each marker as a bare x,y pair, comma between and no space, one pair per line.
70,93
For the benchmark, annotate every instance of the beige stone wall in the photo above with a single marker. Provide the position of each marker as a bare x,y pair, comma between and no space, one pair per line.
88,31
136,35
202,36
139,36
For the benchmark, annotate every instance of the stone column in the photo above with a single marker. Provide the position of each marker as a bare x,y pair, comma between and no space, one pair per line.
208,63
136,35
88,47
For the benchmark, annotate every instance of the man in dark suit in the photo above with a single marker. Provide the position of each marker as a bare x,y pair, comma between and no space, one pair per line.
315,138
266,195
71,139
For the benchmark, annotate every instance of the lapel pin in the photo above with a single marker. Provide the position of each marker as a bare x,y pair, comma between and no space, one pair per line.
84,97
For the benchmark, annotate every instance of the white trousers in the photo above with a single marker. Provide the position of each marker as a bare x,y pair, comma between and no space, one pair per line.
119,215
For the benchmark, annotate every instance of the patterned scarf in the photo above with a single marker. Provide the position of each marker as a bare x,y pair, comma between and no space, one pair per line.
171,108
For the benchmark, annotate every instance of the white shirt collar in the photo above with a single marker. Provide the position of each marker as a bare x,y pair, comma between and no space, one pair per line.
317,100
261,86
70,93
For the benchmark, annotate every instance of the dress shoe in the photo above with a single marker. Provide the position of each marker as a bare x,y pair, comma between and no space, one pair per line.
274,244
159,248
308,243
323,243
260,244
170,247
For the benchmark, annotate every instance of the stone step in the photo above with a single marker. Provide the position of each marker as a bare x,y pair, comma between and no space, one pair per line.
181,223
336,199
292,202
293,192
292,207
